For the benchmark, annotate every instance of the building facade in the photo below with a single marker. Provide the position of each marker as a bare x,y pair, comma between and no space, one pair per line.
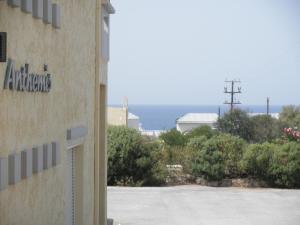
191,121
53,72
119,116
134,121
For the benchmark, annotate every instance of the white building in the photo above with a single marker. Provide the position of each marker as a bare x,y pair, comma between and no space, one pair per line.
273,115
193,120
119,116
152,133
133,121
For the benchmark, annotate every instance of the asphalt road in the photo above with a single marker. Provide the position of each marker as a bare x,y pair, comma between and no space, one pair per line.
196,205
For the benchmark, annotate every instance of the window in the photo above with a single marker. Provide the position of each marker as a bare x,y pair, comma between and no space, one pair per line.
3,46
105,35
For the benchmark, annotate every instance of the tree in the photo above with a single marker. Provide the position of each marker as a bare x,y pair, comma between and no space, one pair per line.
290,117
265,128
206,131
237,123
173,138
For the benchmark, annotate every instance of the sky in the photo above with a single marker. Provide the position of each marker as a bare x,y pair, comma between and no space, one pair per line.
181,52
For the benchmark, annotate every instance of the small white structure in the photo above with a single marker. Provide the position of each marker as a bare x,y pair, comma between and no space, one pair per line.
119,116
133,121
273,115
152,133
193,120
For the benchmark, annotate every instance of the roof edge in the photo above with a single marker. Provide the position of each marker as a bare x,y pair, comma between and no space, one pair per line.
109,7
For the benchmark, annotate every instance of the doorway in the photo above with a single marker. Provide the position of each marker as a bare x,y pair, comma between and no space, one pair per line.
74,185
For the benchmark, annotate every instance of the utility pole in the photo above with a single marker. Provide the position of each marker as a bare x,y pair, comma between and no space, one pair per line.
268,105
232,91
125,108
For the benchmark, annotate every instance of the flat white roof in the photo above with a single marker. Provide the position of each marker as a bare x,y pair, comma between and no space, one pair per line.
273,115
131,116
198,118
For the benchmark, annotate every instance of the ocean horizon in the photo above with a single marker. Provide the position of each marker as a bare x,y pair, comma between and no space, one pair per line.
163,117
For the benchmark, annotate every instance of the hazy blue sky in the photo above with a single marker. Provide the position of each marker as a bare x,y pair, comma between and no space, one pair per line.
180,52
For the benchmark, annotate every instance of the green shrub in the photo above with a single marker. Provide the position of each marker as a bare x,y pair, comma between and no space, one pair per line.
173,138
179,156
233,149
132,160
206,131
154,173
196,143
285,168
257,160
184,155
209,163
277,164
219,157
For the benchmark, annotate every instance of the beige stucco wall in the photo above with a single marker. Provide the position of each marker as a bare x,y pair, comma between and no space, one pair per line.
117,116
29,119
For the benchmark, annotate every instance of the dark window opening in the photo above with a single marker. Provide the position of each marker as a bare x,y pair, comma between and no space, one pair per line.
3,46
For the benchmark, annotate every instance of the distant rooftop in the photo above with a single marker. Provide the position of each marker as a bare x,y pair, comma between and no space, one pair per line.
273,115
131,116
198,118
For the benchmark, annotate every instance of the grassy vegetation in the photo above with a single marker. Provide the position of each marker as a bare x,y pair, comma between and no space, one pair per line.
242,146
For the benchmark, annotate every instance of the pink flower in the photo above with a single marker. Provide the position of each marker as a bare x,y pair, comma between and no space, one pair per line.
292,133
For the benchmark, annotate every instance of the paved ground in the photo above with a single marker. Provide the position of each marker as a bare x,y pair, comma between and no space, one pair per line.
196,205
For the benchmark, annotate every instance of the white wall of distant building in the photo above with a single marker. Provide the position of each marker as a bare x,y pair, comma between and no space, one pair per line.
191,121
185,127
133,123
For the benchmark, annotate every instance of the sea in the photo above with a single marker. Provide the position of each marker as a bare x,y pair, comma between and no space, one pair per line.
163,117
